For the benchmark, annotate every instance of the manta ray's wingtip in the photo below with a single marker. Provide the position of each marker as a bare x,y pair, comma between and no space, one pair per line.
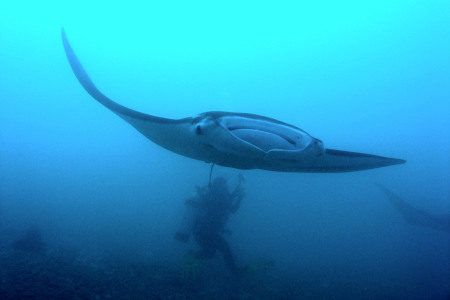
346,161
382,187
397,161
89,86
65,40
387,161
63,33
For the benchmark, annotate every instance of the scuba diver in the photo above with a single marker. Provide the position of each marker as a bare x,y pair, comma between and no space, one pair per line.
206,215
415,216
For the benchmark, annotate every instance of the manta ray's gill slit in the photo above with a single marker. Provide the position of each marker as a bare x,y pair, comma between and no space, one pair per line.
264,140
291,134
286,138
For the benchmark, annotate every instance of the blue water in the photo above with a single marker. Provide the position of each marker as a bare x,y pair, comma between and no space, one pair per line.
364,77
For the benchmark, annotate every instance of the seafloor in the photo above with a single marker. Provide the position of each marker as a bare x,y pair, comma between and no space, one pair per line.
66,274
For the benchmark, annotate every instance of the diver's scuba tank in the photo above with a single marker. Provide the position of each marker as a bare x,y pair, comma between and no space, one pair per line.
187,224
191,212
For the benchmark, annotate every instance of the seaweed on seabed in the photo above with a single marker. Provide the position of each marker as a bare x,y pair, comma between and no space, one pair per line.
31,241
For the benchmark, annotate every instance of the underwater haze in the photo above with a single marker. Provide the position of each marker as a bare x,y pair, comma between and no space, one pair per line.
89,206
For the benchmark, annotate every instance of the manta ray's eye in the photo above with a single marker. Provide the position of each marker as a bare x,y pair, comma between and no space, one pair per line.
198,129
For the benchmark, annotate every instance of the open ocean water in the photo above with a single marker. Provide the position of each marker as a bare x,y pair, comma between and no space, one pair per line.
89,206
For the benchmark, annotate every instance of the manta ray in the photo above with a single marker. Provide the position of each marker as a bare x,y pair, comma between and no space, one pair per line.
416,216
236,140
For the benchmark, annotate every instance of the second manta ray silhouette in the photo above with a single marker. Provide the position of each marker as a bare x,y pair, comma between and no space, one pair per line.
236,140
